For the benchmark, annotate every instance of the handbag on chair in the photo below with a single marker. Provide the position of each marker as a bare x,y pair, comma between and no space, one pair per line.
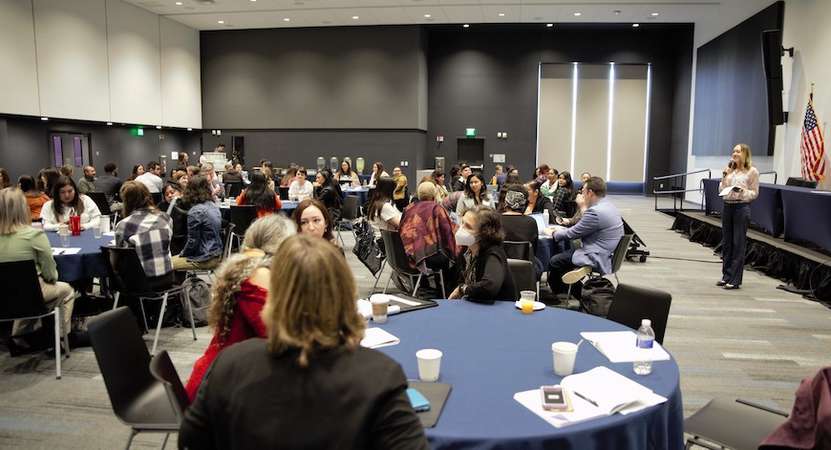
366,247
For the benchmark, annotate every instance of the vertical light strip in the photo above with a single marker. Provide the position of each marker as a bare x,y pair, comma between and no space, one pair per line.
646,121
611,115
574,73
539,116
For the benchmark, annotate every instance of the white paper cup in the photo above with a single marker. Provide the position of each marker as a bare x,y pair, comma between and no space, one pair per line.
564,355
429,364
380,307
527,295
104,224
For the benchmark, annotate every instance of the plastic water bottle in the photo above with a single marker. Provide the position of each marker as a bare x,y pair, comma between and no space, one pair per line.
646,338
545,217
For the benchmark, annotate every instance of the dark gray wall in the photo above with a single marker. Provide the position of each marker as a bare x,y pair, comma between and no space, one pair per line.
486,77
731,89
24,144
304,146
341,77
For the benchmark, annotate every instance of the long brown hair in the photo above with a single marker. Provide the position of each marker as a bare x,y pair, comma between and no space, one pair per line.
297,216
197,191
135,195
748,156
311,301
57,204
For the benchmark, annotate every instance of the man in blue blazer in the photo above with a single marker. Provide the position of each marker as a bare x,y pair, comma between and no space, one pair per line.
600,230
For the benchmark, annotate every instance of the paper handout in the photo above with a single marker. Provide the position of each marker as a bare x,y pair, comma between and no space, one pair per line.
377,338
619,346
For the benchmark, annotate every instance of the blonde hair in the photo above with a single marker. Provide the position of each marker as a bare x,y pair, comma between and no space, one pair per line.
14,211
426,190
311,303
748,157
264,234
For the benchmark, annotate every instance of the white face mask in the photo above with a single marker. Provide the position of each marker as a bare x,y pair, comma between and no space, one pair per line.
464,238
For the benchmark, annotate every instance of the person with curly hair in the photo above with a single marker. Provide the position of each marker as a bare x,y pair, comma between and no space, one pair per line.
239,292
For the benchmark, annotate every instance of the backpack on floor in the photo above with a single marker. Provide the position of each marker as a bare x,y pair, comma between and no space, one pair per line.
596,296
199,294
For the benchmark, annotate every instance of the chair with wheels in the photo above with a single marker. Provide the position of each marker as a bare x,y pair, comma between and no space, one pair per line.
398,260
631,304
127,277
138,400
23,299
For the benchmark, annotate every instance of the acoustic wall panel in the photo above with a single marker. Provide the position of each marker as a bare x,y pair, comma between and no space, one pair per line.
18,79
180,84
592,119
629,124
71,41
554,133
134,61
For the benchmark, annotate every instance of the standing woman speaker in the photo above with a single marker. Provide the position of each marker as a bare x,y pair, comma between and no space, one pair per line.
743,179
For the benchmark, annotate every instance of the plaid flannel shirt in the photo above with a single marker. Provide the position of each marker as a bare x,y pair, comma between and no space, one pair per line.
149,232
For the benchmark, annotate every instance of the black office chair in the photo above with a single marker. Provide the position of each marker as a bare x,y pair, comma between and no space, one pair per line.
162,369
232,190
101,202
618,256
23,299
524,277
127,277
631,304
349,213
138,400
242,216
523,250
179,217
284,192
734,424
398,260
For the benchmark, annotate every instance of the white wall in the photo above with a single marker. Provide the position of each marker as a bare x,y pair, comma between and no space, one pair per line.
102,60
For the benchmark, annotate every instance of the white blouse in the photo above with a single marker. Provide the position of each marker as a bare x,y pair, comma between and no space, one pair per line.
90,218
303,192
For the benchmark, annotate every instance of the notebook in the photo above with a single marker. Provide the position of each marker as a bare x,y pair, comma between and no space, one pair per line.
436,394
377,338
619,346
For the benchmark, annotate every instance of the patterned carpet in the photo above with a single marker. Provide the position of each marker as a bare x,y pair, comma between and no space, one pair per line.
755,343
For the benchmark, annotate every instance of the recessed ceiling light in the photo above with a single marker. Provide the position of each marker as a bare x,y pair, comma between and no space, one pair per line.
158,127
467,25
355,17
220,22
549,25
578,14
179,3
44,118
109,124
635,25
191,129
286,19
655,14
501,14
427,16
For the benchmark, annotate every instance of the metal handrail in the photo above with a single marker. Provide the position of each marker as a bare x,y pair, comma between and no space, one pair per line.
683,176
775,175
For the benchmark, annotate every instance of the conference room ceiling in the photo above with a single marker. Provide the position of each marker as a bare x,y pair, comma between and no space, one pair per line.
709,16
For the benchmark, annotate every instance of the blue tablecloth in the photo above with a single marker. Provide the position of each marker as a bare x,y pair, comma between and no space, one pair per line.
765,211
492,352
546,248
88,263
807,215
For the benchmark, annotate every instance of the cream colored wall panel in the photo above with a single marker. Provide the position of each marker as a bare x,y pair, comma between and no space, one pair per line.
592,125
135,65
628,127
554,139
72,58
18,79
181,95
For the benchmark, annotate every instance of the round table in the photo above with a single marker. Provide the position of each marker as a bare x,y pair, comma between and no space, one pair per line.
492,352
85,264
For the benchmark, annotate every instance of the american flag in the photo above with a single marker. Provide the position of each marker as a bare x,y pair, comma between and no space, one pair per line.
812,147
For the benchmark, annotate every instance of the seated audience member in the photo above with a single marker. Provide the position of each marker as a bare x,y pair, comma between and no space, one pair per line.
441,189
19,241
87,182
67,170
300,188
346,176
67,201
460,181
289,177
549,187
329,192
486,276
585,176
109,183
182,161
564,192
268,173
537,203
47,179
145,228
427,231
399,195
171,194
513,178
381,213
193,171
203,248
231,175
34,198
260,195
152,178
217,189
378,172
581,208
138,170
541,174
5,181
498,175
239,292
313,331
518,227
313,218
242,172
600,229
476,194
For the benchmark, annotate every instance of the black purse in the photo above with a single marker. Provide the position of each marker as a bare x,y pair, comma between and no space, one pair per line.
366,247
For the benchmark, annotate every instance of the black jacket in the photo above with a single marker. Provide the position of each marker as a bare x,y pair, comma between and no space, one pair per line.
250,398
493,277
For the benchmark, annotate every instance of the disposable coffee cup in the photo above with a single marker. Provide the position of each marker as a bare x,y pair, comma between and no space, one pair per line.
380,307
429,364
564,355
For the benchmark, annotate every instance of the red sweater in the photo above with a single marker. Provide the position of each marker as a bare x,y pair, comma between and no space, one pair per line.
245,324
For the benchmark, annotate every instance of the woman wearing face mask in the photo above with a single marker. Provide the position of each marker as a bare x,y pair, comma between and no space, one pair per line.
476,194
67,201
486,277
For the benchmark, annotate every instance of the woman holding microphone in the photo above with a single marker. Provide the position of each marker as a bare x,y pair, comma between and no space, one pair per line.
743,180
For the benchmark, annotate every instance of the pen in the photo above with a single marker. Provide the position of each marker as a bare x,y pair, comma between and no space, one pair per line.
586,399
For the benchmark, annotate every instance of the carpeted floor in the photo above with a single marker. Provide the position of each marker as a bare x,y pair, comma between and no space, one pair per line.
755,343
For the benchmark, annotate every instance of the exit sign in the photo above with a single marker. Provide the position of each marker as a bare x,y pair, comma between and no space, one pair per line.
470,132
137,131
